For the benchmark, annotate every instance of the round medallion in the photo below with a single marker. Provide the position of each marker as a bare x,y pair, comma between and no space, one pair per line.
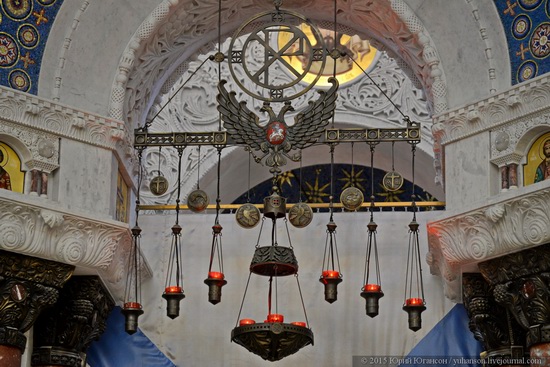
28,35
276,328
197,201
502,141
19,80
527,70
46,148
351,198
9,52
540,41
521,26
300,215
158,185
17,9
529,4
392,181
247,215
18,292
260,55
276,133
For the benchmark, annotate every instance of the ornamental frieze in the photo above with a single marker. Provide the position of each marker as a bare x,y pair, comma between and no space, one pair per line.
488,232
51,233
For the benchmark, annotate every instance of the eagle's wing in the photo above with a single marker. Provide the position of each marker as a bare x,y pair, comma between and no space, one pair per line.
241,124
310,124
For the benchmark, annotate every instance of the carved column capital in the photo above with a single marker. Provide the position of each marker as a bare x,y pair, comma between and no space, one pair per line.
63,333
27,286
490,322
522,283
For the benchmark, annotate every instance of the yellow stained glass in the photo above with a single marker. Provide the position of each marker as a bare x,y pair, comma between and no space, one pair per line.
11,176
362,52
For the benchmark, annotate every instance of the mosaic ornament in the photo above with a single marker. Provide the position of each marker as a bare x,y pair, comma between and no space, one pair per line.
19,80
540,42
247,215
300,215
28,35
521,26
529,4
527,70
46,2
197,201
351,198
9,52
392,181
17,9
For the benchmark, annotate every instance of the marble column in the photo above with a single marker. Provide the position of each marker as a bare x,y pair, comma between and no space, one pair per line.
27,286
521,283
504,185
491,324
63,333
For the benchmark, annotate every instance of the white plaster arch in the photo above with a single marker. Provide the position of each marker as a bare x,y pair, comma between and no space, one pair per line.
177,30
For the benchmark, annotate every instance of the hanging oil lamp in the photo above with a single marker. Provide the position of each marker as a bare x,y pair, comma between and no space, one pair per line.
372,290
173,291
273,339
414,303
330,273
216,279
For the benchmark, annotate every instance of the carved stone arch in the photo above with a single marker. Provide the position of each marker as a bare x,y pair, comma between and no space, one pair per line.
180,29
20,149
528,138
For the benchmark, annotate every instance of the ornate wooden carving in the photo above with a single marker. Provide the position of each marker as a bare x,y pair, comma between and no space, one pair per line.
27,286
521,283
63,333
490,322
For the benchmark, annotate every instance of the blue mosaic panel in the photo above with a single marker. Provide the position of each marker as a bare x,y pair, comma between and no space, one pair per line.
313,184
527,27
24,29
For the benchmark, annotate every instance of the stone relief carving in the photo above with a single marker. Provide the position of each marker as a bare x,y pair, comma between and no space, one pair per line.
488,232
176,26
60,236
55,120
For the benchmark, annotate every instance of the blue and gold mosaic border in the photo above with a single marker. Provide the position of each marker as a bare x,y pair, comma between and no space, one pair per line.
24,29
527,27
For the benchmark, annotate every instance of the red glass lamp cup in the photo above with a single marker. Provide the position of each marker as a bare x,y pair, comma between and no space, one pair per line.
331,279
131,312
244,322
298,323
173,295
275,317
215,282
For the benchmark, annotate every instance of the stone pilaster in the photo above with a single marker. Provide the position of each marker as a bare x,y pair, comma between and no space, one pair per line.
491,323
521,283
63,333
27,286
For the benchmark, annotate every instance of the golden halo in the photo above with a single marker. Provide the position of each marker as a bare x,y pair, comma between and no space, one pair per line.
5,155
541,147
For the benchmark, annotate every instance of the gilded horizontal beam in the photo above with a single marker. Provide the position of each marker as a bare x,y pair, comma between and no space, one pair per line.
312,205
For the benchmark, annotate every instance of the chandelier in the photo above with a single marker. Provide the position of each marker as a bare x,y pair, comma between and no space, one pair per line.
272,142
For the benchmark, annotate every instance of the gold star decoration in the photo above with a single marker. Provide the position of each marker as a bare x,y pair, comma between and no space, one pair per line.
315,193
353,179
391,196
285,178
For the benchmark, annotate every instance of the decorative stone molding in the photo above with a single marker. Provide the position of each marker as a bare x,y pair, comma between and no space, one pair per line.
181,27
494,230
32,228
57,120
519,104
63,333
43,147
27,286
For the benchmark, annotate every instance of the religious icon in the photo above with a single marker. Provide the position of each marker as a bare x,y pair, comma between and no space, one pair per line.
543,169
5,180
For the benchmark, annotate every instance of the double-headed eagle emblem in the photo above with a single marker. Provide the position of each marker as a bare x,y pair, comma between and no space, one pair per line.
274,138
